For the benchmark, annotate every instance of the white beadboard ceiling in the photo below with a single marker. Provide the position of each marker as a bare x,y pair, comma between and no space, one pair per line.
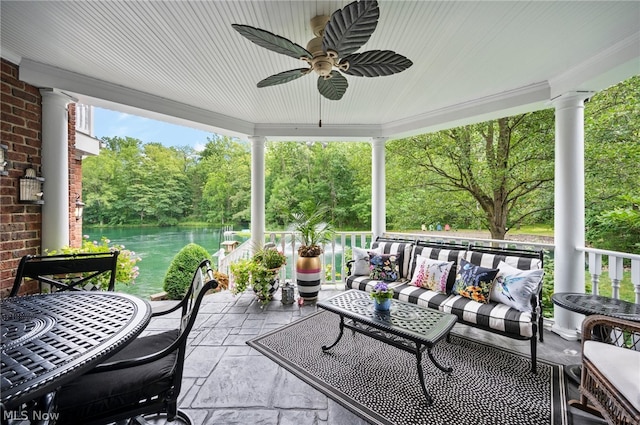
181,61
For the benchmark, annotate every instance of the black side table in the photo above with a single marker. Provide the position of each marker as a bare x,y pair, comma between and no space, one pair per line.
589,304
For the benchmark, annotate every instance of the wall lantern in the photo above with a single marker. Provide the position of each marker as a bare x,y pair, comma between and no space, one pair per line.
31,188
79,208
3,160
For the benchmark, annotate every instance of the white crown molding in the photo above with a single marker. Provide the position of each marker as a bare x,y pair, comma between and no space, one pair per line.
609,67
523,99
41,75
10,56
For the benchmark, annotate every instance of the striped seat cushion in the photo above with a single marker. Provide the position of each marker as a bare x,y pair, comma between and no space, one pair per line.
497,316
363,283
420,296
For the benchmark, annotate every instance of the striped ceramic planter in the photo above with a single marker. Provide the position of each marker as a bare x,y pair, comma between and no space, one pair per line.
308,277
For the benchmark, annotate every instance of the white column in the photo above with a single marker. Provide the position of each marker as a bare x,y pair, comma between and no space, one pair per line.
569,228
378,187
55,169
257,191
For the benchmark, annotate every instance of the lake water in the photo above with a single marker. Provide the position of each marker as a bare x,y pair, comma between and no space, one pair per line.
156,246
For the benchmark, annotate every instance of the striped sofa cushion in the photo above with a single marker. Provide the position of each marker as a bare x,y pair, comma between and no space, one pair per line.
438,254
401,249
495,316
491,261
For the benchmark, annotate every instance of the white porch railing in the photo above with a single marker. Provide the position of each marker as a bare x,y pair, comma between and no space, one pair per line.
334,261
616,270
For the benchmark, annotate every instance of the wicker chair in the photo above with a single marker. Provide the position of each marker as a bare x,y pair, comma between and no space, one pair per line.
610,379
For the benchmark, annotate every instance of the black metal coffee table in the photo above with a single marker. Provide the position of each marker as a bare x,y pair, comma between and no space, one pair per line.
407,326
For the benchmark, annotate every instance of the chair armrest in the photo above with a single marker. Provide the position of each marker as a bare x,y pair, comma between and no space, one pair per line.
349,264
623,333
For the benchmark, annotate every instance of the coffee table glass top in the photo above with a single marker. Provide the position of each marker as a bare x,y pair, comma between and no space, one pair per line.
409,319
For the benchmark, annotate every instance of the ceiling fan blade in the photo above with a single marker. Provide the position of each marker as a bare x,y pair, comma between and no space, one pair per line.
283,77
333,88
349,28
376,63
273,42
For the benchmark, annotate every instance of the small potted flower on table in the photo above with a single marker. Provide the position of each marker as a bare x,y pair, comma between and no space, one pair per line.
382,295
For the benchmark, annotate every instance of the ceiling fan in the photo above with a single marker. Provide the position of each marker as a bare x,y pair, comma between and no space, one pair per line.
332,49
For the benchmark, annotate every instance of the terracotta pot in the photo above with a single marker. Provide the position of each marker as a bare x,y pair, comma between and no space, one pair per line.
308,277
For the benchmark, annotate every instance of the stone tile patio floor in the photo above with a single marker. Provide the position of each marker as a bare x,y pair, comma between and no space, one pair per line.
227,382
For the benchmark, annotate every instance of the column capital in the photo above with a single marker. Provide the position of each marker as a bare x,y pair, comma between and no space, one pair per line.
58,95
571,99
379,141
257,139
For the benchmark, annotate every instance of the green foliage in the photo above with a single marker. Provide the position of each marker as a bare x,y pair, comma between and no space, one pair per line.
547,286
126,271
617,229
258,271
486,175
313,230
181,269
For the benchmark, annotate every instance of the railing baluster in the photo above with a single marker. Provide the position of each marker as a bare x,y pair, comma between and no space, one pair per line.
635,278
595,268
615,273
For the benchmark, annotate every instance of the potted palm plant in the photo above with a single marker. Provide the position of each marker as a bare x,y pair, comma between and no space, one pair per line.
312,233
260,272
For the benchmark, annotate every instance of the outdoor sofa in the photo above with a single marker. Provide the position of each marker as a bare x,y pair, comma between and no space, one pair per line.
436,275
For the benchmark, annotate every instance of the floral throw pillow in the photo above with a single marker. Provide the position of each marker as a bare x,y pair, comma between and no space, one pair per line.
474,282
431,274
361,259
514,287
384,267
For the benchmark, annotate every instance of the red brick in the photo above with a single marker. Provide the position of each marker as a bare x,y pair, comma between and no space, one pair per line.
25,132
24,94
10,118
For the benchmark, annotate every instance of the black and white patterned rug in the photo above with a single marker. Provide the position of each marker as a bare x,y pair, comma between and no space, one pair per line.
378,382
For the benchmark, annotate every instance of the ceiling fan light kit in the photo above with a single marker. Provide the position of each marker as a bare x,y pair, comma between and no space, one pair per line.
332,51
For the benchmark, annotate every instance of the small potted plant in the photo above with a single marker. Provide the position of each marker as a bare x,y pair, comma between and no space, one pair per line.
382,295
260,272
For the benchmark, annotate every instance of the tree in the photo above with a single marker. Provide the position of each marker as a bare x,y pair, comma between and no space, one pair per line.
500,165
612,174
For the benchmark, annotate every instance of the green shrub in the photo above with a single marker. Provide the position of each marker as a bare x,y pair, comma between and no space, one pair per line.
126,271
180,273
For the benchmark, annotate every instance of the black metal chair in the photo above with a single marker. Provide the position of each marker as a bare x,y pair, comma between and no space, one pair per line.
144,378
68,272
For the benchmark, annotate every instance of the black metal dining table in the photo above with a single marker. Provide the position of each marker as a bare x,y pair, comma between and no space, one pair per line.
589,304
49,339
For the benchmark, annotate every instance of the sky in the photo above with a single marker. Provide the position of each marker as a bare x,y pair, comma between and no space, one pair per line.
118,124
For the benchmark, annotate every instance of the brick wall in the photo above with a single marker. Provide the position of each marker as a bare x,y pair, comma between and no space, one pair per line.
21,224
